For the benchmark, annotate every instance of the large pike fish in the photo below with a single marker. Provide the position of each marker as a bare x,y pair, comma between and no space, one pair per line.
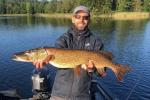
66,58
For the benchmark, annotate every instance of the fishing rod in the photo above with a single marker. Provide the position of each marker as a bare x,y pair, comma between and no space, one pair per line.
132,90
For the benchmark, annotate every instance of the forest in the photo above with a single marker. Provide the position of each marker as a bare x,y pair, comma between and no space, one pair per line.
66,6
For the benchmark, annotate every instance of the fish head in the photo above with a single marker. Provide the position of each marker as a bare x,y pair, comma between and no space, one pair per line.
30,55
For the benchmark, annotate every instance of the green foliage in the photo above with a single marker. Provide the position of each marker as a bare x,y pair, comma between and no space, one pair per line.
146,5
137,5
121,5
66,6
107,6
3,7
28,7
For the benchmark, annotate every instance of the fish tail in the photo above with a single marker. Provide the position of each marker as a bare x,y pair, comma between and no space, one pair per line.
121,70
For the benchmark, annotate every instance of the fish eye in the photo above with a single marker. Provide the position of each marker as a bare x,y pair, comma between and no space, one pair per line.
27,51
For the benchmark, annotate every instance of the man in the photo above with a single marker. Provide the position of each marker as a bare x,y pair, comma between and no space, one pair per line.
67,85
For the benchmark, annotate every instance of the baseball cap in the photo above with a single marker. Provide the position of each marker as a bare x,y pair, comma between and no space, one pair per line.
81,8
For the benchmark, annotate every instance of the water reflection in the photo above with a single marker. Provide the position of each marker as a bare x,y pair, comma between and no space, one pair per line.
128,40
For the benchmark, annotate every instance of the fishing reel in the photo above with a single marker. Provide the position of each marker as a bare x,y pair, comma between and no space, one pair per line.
40,84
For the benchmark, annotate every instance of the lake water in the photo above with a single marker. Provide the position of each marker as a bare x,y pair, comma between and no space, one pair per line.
129,41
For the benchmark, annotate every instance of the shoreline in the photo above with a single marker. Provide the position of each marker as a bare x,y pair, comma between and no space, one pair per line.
115,16
7,15
127,15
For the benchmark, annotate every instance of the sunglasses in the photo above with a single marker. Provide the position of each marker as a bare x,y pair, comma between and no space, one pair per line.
83,17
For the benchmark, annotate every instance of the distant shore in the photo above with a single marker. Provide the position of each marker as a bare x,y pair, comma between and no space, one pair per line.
13,15
127,15
115,16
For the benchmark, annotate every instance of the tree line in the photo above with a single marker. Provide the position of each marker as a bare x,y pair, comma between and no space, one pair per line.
66,6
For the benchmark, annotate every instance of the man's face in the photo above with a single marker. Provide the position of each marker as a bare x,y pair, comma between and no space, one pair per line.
81,20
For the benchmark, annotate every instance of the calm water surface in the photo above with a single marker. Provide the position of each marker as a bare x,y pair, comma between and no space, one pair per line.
129,41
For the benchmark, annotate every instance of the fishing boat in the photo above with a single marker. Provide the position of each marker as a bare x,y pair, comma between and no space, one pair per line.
98,91
100,94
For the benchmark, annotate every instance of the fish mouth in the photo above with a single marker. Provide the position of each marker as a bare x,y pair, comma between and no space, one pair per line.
15,57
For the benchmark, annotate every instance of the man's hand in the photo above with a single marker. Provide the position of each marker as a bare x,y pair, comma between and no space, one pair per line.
89,67
42,63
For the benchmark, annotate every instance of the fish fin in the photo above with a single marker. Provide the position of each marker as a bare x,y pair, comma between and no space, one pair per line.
49,58
77,70
121,70
102,72
108,55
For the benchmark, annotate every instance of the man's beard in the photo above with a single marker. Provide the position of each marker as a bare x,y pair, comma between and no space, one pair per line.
81,28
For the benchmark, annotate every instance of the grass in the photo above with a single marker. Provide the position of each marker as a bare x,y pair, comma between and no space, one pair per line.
13,14
55,15
115,16
127,15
